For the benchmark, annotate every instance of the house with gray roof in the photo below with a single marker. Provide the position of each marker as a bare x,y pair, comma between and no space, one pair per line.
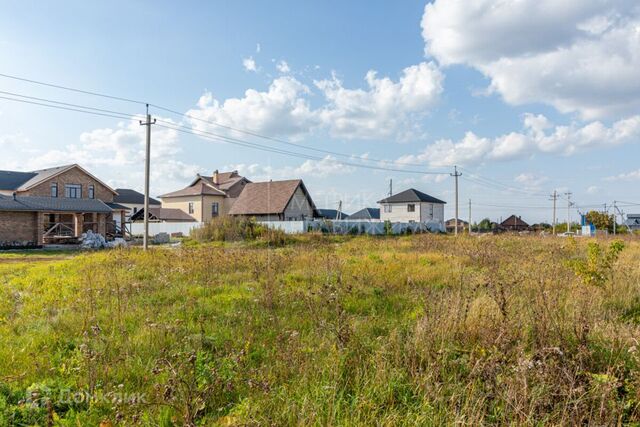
412,206
133,201
55,205
366,214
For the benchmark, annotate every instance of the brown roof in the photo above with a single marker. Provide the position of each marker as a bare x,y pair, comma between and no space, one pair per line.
163,214
514,221
199,189
272,197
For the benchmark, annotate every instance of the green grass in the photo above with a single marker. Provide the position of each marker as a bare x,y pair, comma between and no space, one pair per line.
417,330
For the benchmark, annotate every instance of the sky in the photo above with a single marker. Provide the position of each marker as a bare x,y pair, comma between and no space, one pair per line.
526,97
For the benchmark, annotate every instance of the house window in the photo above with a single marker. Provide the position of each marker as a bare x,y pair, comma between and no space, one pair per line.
91,191
215,209
191,210
411,208
73,191
135,209
387,208
431,210
54,189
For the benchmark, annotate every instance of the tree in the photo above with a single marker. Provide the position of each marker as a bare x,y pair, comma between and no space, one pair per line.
601,220
484,225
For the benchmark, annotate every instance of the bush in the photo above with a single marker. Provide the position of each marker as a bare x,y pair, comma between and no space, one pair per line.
232,229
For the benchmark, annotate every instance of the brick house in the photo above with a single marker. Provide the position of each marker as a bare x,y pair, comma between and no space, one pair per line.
54,205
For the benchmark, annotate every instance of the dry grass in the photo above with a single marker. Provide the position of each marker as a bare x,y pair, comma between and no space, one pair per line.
418,330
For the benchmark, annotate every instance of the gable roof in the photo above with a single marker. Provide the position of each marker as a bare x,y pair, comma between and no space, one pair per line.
164,214
514,221
52,204
23,181
366,213
272,197
127,195
453,221
331,214
411,195
11,180
199,189
225,181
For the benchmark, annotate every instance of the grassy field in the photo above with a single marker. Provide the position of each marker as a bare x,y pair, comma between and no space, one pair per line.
416,330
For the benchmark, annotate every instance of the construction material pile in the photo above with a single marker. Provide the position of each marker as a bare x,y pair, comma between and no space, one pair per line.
91,240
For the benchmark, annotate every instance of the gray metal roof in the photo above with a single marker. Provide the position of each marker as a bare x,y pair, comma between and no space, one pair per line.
127,195
331,214
51,204
366,213
411,195
12,180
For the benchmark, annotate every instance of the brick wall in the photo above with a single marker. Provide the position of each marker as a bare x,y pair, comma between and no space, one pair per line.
72,176
18,227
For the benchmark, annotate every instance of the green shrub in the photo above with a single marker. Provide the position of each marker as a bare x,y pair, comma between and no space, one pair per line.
232,229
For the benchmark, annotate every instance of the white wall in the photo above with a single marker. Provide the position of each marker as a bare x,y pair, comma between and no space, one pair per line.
424,212
137,228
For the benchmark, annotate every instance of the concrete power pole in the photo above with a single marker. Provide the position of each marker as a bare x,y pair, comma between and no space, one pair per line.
469,217
147,164
390,187
456,174
615,217
568,194
554,197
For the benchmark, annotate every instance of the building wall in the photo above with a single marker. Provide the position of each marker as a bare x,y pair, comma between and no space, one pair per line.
135,207
424,212
182,203
72,176
207,201
399,212
18,227
298,207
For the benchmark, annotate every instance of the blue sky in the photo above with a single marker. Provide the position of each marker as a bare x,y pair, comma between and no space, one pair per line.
531,95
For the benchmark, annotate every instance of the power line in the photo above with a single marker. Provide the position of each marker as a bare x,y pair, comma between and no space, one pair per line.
86,92
59,107
247,144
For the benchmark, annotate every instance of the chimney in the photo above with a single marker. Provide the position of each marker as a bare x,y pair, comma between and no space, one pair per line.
14,195
216,177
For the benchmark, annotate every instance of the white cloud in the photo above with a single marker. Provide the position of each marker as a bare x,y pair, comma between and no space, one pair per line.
283,67
387,109
327,166
628,176
576,55
531,181
537,136
249,64
593,189
280,111
116,155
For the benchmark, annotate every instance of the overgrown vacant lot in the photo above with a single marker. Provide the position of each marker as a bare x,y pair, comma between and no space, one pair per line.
418,330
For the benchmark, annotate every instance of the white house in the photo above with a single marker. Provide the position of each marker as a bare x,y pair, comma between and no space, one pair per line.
412,206
133,200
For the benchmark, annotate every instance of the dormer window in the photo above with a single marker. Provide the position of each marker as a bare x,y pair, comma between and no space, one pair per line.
54,189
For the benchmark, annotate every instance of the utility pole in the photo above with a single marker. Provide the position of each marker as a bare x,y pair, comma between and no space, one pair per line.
390,187
568,194
339,214
469,217
456,174
147,162
554,197
614,217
